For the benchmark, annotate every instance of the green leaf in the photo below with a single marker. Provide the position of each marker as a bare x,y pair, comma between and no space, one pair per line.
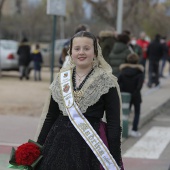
31,141
12,156
36,162
21,167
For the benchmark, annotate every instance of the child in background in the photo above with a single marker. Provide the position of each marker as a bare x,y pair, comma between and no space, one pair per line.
37,59
131,80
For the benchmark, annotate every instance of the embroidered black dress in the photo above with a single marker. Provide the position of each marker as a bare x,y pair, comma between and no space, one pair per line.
65,149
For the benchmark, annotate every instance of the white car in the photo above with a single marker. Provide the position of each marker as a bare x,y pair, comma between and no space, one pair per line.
8,55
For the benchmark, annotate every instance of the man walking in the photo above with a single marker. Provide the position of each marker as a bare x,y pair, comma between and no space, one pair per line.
155,52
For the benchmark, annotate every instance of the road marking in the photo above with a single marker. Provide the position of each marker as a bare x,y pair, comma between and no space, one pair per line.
8,144
151,145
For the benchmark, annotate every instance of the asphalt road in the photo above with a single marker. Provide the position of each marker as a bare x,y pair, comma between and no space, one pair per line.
152,150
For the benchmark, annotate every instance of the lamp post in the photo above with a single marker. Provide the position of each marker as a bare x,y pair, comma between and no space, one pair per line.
53,47
119,16
55,8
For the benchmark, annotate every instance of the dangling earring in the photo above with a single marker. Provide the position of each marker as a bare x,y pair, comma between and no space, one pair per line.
95,62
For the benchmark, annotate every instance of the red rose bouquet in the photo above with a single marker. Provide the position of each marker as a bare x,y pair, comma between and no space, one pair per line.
26,156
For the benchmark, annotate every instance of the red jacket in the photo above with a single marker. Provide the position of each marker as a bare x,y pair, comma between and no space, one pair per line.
168,44
144,45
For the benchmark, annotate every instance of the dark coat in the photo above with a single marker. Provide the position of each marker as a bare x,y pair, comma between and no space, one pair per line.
118,56
107,41
131,80
24,54
37,59
165,50
137,49
155,50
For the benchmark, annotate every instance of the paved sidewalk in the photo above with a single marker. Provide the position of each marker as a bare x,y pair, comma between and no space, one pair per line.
154,100
15,130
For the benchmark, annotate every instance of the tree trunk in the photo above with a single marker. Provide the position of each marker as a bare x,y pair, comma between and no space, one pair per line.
1,6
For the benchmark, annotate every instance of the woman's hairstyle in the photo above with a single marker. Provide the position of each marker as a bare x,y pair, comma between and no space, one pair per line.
126,32
64,53
81,27
84,34
124,38
133,58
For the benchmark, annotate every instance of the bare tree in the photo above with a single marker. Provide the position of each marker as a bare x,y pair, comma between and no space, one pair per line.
1,6
107,9
137,15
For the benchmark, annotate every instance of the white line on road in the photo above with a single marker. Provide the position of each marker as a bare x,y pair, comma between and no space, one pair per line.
151,145
9,144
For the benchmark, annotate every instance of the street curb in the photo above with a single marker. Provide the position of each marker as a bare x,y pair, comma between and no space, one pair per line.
153,113
144,120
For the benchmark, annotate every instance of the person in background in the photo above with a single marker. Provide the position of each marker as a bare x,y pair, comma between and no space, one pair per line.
71,131
126,32
136,48
168,45
119,53
164,57
155,52
131,80
65,56
143,43
24,53
37,60
107,41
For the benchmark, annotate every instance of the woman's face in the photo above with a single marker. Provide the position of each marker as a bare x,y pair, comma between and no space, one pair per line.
83,52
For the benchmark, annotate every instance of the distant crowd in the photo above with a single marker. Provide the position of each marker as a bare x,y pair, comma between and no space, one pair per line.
127,55
29,60
116,48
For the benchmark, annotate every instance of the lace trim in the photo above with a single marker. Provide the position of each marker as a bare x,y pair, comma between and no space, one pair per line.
56,93
95,86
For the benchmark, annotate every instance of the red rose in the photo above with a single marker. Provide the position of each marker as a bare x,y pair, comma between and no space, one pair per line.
27,153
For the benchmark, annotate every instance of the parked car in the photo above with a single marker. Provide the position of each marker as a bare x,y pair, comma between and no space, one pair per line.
8,55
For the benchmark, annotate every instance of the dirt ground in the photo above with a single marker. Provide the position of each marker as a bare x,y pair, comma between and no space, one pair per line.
24,97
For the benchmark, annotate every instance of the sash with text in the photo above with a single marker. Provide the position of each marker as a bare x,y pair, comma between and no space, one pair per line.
83,126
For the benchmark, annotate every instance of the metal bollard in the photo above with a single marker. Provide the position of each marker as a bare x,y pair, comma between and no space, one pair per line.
126,97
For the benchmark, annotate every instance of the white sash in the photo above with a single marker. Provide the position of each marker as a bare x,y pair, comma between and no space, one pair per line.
83,126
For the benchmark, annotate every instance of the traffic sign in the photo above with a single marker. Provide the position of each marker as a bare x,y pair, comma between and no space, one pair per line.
56,7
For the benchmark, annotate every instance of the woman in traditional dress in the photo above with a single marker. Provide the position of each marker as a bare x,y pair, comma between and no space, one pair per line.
71,131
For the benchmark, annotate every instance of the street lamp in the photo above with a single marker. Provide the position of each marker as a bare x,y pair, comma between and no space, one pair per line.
119,16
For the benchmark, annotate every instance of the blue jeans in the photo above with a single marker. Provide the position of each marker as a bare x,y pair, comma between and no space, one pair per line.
136,116
162,65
